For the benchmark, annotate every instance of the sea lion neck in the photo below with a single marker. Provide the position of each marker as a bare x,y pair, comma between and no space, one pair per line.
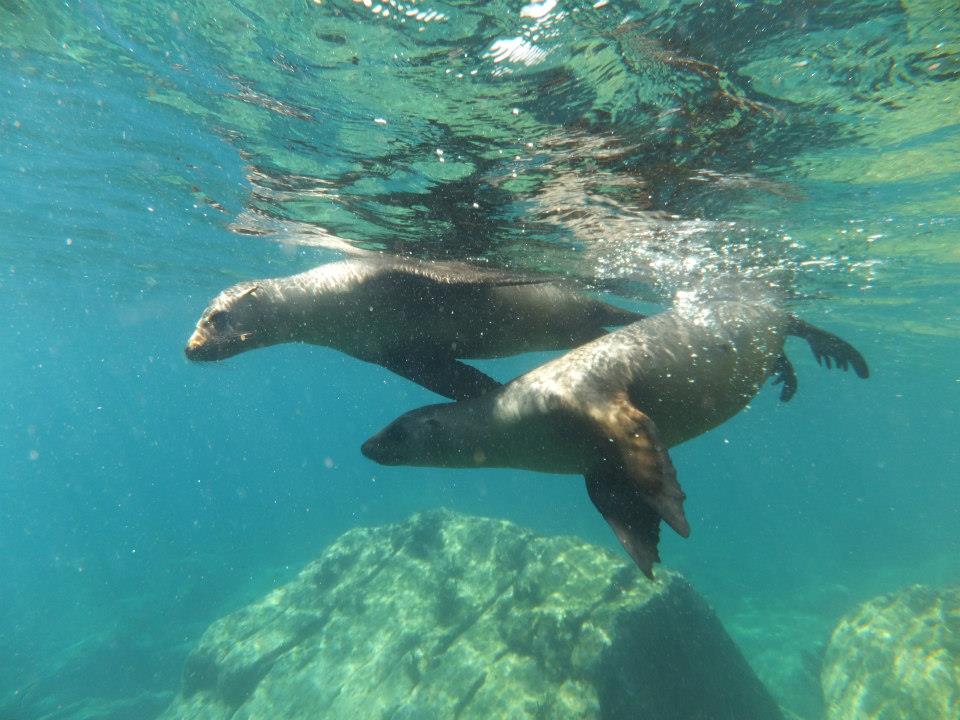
465,438
276,311
291,308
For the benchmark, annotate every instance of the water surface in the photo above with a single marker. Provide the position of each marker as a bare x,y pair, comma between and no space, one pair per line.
153,153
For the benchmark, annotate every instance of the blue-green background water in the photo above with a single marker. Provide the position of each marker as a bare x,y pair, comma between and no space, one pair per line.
150,156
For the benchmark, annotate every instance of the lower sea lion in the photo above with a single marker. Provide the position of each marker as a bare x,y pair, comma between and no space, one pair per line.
415,318
610,409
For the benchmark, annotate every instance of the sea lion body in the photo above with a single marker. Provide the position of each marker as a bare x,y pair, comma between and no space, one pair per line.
688,374
610,409
416,318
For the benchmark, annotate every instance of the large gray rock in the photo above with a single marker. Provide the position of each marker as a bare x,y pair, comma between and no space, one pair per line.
896,657
449,616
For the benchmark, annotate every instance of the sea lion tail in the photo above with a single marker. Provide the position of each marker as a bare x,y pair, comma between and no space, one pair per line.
828,348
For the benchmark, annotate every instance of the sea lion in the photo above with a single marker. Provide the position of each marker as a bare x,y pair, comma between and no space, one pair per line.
610,409
416,318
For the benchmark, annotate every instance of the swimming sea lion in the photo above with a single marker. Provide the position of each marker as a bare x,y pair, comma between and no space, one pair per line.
610,409
415,318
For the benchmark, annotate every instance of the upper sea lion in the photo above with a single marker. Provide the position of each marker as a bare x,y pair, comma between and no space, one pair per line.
416,318
610,409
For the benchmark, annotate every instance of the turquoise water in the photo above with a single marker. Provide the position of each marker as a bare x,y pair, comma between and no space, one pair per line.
153,154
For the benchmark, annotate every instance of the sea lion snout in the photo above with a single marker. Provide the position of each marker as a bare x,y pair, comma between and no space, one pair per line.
379,451
199,347
202,347
400,443
194,347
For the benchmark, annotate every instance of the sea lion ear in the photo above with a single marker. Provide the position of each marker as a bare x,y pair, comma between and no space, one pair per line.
249,291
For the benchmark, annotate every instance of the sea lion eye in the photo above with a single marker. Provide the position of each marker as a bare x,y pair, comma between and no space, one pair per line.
218,319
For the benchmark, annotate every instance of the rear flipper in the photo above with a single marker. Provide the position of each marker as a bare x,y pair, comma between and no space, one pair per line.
636,524
786,375
828,348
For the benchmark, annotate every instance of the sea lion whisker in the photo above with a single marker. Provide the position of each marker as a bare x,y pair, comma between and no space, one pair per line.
231,337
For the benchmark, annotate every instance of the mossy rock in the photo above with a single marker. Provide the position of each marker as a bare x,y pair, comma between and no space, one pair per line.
450,616
896,657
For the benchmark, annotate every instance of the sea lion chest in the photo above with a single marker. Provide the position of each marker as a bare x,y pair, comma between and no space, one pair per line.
371,320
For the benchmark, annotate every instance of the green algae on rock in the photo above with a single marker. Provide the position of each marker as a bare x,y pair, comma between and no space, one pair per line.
452,616
896,657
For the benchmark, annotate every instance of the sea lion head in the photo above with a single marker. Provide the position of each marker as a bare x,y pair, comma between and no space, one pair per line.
427,437
238,319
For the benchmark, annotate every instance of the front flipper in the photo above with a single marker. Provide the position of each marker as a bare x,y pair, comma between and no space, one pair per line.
785,374
828,348
636,524
632,447
443,375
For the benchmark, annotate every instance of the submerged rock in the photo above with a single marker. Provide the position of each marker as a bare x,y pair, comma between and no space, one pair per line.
896,657
451,616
